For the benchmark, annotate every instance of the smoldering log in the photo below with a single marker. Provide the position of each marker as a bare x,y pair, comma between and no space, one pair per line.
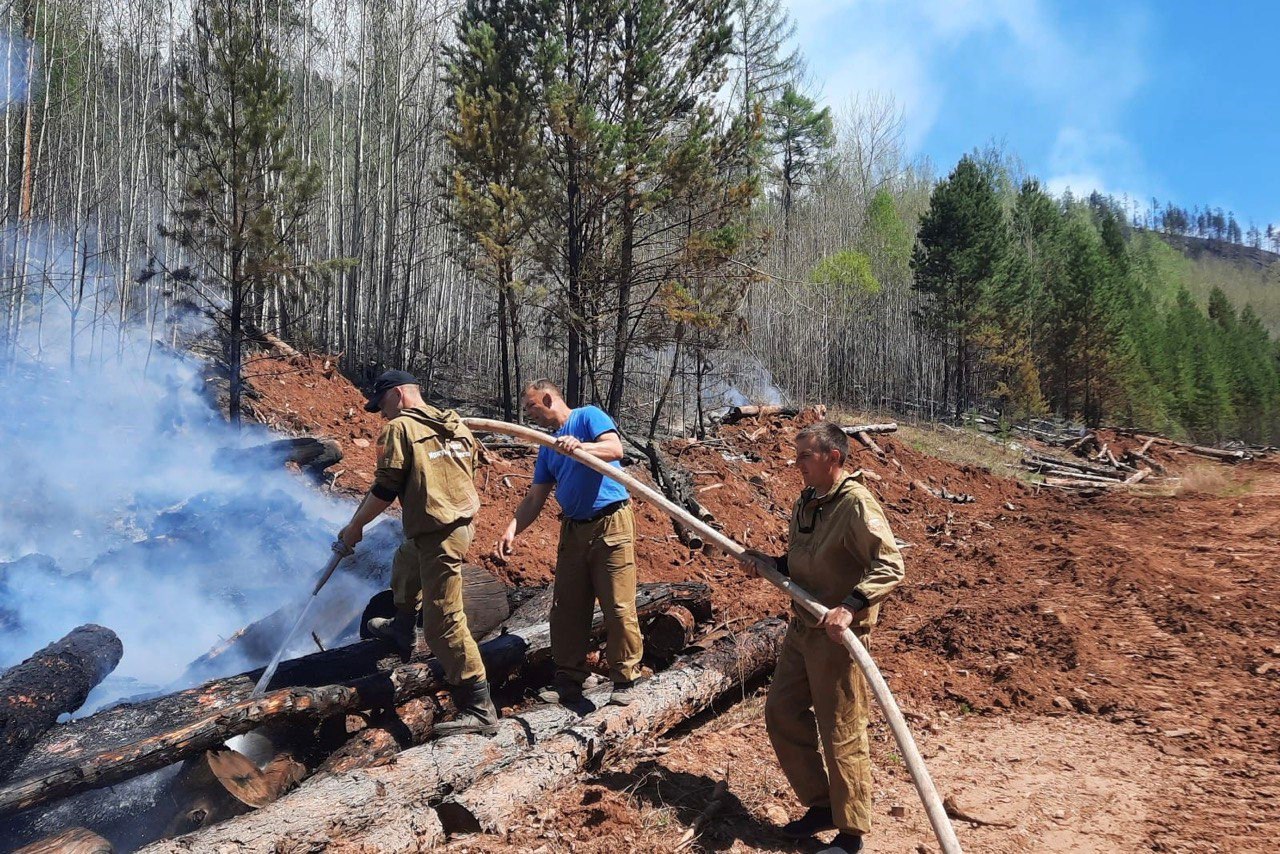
737,413
383,808
55,680
340,615
668,698
312,455
200,722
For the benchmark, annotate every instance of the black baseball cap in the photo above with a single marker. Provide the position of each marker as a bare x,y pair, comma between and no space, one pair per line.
384,383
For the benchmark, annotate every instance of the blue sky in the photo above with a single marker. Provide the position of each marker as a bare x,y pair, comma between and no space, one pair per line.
1173,99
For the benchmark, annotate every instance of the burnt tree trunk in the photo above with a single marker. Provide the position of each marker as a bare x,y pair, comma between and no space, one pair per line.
200,722
56,679
386,808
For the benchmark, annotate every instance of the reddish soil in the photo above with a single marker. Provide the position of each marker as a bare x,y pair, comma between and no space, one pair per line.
1101,672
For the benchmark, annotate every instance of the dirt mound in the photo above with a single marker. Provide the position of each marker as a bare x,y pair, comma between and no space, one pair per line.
1160,614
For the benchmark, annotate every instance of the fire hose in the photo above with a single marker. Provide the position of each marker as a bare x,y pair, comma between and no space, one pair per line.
933,804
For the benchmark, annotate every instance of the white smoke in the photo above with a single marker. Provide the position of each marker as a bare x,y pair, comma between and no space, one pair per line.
120,505
16,54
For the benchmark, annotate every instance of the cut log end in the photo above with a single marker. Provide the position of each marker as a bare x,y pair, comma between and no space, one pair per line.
669,634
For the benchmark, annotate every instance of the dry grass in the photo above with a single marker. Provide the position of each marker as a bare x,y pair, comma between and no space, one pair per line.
966,447
963,446
1215,479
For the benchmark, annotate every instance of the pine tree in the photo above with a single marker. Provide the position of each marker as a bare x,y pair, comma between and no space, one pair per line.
245,191
962,241
802,135
497,182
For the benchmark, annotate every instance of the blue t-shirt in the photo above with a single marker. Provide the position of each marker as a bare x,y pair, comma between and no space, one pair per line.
580,491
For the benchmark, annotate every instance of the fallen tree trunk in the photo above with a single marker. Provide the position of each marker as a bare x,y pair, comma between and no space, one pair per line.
1055,471
383,808
854,430
668,698
55,680
96,767
870,444
1037,462
1218,453
737,413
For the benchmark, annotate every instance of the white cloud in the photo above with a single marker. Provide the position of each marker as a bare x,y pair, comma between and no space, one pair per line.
1080,82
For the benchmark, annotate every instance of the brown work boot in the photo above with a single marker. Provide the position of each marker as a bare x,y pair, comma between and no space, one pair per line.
476,712
399,630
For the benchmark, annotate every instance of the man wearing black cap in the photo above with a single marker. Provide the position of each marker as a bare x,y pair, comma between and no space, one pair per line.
426,458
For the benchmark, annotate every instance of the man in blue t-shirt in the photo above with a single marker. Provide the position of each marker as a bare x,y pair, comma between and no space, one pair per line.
596,557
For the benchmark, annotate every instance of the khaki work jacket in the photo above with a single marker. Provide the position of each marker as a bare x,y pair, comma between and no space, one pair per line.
427,456
840,544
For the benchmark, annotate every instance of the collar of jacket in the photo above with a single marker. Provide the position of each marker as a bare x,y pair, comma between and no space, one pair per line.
812,504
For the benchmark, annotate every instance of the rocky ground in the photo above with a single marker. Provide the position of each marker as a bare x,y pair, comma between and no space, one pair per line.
1082,674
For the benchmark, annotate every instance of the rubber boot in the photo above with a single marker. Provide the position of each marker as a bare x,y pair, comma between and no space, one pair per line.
399,630
476,712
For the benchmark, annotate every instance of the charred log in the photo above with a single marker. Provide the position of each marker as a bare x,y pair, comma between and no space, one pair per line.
199,722
56,679
737,413
668,634
383,808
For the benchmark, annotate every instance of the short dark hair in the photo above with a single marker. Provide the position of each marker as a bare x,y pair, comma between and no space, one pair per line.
543,384
826,437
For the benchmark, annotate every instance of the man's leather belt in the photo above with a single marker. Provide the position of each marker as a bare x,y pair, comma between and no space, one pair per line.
607,510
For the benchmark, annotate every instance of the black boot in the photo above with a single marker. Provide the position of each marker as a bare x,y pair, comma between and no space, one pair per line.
398,629
476,712
844,843
562,690
815,820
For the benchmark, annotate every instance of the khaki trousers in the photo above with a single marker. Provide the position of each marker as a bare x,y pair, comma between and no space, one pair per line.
430,566
596,560
817,709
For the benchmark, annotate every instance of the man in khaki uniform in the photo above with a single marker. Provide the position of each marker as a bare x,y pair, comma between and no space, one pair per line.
427,459
841,550
596,558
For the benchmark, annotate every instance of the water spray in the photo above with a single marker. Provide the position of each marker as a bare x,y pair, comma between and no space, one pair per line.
340,550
